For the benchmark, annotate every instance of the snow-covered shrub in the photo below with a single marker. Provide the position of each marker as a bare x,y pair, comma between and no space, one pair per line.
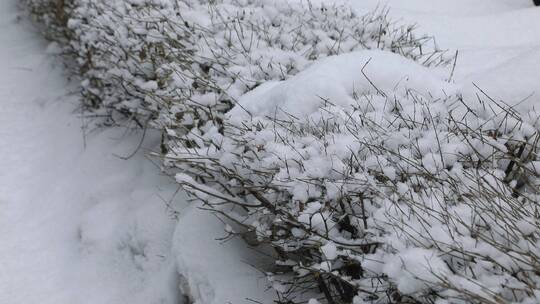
376,189
53,15
188,61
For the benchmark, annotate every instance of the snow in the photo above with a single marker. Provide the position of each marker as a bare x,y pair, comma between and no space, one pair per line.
498,41
514,80
456,8
81,225
338,79
78,225
412,268
330,250
217,271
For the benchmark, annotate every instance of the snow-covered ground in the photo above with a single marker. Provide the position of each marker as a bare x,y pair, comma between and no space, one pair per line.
77,225
498,40
80,225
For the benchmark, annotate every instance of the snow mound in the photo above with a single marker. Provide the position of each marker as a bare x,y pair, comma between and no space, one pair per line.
338,79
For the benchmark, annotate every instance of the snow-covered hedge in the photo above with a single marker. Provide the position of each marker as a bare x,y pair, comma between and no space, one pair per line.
377,193
327,136
195,58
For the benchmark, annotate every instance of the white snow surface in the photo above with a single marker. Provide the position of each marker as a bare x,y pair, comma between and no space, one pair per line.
78,225
217,271
498,41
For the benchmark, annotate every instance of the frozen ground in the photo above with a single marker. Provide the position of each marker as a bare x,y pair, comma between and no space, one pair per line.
79,225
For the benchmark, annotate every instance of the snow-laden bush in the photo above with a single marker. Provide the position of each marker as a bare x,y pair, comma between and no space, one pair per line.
372,192
195,58
53,15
